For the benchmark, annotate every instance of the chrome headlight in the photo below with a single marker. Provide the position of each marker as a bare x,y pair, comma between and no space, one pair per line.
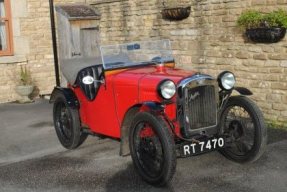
226,80
167,89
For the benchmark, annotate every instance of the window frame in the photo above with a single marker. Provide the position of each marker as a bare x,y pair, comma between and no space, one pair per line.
8,25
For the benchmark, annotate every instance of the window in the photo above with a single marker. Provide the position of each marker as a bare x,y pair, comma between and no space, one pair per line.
6,44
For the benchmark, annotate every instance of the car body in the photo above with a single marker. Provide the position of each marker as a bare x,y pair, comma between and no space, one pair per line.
158,112
124,90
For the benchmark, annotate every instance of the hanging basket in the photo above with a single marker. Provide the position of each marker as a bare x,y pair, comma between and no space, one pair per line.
266,35
176,14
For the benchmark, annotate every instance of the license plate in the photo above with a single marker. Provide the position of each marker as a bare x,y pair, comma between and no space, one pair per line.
191,149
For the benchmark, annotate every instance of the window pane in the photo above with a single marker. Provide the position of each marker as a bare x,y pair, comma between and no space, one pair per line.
3,36
2,8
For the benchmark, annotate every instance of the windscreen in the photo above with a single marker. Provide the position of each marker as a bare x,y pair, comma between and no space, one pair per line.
136,53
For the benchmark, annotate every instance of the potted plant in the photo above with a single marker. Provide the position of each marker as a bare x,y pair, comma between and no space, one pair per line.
264,28
176,9
25,88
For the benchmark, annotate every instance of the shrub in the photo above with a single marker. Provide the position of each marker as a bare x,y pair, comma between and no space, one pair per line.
255,19
276,19
25,77
250,19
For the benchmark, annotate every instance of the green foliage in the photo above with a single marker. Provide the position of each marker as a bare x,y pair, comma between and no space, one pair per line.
272,124
254,19
276,18
25,77
250,19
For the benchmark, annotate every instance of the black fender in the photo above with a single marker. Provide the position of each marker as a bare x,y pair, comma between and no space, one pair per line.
225,97
152,107
243,91
68,93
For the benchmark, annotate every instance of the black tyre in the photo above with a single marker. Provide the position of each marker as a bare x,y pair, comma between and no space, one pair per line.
243,122
67,124
152,149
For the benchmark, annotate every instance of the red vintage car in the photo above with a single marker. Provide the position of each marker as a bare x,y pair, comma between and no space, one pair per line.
158,113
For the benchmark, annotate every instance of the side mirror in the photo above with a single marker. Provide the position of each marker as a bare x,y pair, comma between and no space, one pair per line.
88,80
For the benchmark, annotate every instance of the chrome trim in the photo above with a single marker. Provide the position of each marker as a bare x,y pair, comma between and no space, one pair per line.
196,77
193,82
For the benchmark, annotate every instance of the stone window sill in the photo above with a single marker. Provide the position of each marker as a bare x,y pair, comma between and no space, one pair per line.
12,59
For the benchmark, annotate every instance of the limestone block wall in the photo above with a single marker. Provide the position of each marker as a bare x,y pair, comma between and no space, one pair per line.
33,48
9,65
208,41
36,27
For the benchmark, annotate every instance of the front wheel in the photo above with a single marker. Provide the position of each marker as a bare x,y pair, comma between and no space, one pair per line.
243,123
152,149
67,124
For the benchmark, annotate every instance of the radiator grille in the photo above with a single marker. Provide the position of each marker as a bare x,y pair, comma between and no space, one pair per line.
202,107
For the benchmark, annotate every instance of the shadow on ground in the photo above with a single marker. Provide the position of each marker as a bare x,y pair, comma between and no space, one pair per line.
128,180
62,173
276,135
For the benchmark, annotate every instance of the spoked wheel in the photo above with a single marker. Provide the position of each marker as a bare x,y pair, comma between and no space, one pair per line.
148,149
152,149
67,124
243,122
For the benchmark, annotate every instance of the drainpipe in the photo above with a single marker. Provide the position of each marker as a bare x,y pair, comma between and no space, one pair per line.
54,39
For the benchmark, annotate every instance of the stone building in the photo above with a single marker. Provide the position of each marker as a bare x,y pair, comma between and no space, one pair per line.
208,40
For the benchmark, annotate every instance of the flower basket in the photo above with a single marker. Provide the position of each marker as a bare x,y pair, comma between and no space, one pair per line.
266,35
264,27
176,14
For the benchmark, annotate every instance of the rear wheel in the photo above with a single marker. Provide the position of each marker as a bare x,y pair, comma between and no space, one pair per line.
67,124
152,149
243,122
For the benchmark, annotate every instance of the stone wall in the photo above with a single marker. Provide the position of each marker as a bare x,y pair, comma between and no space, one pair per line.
36,27
9,65
33,48
208,41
